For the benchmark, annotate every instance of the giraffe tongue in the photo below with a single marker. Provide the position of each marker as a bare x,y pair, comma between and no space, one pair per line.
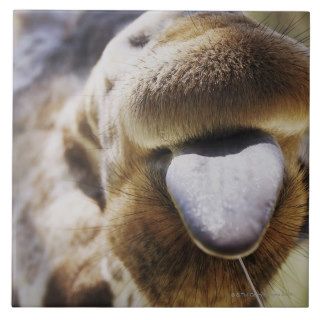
226,191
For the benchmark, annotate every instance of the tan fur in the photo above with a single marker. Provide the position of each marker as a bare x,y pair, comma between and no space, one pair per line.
97,206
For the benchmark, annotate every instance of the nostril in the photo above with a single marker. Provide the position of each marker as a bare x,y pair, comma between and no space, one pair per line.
139,40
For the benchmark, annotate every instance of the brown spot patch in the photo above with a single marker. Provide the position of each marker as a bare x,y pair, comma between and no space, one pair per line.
60,293
130,300
108,85
86,130
84,235
117,275
83,167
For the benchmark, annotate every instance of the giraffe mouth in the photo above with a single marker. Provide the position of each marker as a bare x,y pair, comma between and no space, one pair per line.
226,190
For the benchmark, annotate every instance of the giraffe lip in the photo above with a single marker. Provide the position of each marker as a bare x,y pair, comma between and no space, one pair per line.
226,191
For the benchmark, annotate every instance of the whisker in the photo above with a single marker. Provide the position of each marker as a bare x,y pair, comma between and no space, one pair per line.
250,282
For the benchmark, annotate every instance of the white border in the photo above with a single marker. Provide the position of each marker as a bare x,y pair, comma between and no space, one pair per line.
6,153
248,5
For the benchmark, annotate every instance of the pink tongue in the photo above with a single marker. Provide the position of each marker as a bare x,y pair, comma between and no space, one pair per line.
226,192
